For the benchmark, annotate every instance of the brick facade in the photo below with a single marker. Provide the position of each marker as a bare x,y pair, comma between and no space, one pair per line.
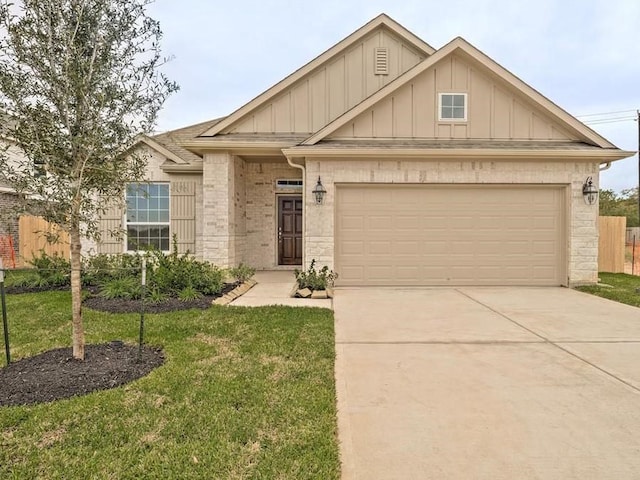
9,222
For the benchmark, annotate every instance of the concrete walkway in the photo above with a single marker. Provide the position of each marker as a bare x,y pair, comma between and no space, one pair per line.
274,288
487,383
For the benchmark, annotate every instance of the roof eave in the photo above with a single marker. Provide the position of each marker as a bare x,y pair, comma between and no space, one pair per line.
602,155
161,149
170,167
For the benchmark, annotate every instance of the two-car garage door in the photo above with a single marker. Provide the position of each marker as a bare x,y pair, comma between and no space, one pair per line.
450,235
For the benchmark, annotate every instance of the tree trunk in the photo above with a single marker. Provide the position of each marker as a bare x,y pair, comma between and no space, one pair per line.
76,293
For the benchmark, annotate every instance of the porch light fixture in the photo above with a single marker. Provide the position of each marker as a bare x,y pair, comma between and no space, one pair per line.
319,192
589,191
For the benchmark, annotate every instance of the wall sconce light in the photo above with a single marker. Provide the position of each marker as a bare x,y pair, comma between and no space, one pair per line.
589,191
319,192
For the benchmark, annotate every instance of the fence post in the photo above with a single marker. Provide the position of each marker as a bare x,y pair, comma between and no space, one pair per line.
633,256
5,326
143,295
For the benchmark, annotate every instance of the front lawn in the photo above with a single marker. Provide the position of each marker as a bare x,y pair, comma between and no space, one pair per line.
243,393
617,286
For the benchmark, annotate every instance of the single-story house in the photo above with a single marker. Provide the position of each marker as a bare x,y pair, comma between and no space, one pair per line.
389,161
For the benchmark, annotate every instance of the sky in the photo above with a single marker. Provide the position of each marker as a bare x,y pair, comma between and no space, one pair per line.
584,55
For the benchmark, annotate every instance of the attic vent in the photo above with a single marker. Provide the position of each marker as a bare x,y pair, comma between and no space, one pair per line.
289,184
381,61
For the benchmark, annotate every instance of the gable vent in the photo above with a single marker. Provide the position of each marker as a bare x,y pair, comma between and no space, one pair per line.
381,61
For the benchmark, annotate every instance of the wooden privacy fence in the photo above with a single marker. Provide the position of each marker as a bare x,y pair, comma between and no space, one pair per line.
611,244
33,232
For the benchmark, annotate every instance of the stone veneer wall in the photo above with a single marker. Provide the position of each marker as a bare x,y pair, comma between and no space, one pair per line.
582,219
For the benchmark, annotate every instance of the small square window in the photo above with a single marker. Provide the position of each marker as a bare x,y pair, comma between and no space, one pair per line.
453,106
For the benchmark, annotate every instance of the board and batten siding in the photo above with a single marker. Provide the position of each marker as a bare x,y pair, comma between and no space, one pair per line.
110,224
183,215
494,110
332,89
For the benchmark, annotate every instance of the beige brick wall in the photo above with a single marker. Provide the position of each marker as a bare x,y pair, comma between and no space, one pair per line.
582,235
261,211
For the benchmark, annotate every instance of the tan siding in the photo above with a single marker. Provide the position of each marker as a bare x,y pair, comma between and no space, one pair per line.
403,113
336,88
354,74
371,82
183,215
111,240
494,111
394,60
318,100
301,107
481,104
264,119
501,121
282,114
329,91
408,58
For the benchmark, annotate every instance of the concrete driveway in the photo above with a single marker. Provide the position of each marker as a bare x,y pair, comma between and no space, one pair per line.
487,383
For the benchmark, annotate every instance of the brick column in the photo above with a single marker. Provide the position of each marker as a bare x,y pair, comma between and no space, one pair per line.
218,209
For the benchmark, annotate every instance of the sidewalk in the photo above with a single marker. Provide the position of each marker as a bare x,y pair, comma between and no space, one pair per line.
274,288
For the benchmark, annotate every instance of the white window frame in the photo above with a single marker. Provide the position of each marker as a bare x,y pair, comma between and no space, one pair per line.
295,186
126,223
466,107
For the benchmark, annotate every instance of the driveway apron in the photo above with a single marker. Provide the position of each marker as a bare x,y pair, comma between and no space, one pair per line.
487,383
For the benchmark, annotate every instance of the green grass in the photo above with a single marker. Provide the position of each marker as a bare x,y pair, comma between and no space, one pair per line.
244,393
622,288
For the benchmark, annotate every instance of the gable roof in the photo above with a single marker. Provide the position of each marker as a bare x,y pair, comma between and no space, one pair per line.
170,143
381,20
458,45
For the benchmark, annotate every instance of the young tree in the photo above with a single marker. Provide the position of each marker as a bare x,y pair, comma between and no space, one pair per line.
79,81
623,204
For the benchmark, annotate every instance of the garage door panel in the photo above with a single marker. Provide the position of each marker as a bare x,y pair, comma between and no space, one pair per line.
450,235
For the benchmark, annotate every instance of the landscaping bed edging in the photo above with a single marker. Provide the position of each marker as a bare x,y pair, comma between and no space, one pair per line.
240,290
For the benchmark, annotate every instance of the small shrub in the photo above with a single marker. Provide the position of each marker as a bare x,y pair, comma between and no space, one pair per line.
21,278
242,272
101,268
314,279
126,288
174,272
189,293
154,295
53,270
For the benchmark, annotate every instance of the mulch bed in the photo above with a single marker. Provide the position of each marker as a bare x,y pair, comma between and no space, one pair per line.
133,306
117,305
55,374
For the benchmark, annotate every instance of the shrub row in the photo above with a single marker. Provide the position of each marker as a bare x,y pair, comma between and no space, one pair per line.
119,276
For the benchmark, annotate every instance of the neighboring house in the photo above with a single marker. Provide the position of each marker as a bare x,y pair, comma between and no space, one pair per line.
440,168
9,220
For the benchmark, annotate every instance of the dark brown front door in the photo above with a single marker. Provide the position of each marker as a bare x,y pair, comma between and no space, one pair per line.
290,230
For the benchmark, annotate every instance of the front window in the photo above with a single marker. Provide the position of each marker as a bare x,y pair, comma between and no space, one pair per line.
148,216
453,106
